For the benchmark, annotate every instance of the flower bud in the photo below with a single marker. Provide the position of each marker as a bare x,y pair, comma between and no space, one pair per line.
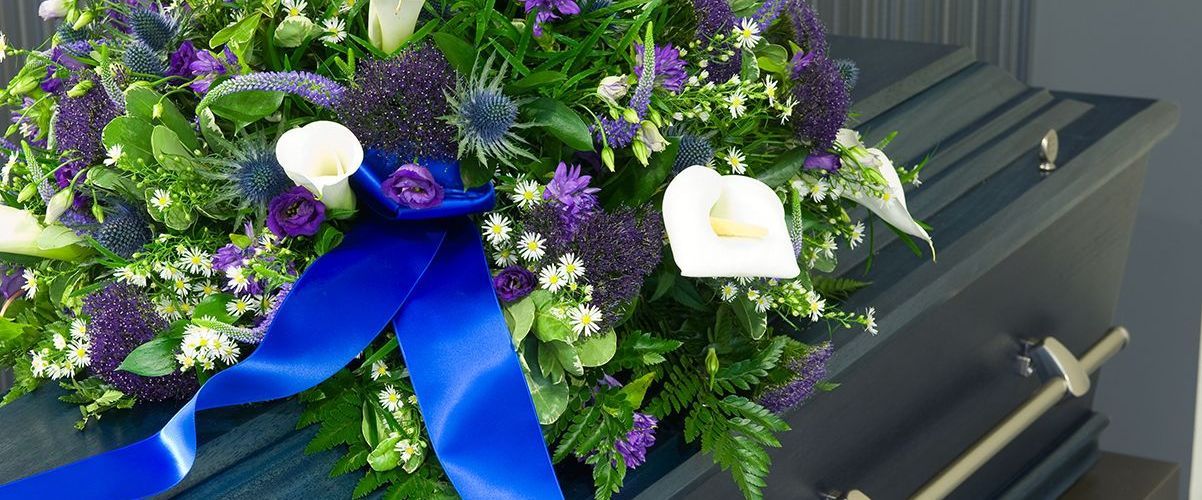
52,9
649,135
80,89
27,192
613,88
711,364
607,157
641,152
84,20
58,204
630,115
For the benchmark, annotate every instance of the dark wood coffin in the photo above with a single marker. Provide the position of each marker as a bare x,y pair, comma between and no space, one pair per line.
1022,254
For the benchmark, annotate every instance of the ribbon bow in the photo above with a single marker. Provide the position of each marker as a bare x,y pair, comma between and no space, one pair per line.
425,272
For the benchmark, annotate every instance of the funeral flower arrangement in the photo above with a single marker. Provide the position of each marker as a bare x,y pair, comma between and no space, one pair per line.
673,182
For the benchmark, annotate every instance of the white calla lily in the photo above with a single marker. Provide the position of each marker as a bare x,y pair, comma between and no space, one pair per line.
890,205
24,235
727,226
322,156
391,22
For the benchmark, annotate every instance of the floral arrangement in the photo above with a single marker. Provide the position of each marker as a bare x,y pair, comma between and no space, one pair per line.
673,177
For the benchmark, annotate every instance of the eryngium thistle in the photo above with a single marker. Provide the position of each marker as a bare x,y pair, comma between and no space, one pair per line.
80,120
152,28
124,230
311,87
254,174
67,34
121,318
397,105
143,59
822,101
694,150
487,118
807,371
850,72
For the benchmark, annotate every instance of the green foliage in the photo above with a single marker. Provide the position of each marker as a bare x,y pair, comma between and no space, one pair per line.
837,288
735,432
638,349
744,374
94,397
592,434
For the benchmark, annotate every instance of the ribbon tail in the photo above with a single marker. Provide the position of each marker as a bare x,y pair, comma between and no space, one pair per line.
340,304
468,379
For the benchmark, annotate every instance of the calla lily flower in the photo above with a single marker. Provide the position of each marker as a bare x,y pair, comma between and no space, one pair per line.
322,156
727,226
391,22
24,235
890,205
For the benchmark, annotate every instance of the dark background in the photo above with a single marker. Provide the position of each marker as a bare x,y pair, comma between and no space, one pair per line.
1146,48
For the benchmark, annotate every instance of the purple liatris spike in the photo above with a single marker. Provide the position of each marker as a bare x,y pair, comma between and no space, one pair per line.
311,87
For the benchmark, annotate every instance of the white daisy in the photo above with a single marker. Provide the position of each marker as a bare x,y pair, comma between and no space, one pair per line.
79,329
527,193
786,109
870,320
505,257
752,294
294,7
857,234
770,89
497,228
38,363
238,282
346,6
532,246
161,199
3,47
572,266
728,291
169,272
60,342
131,277
408,449
737,104
208,289
61,370
181,287
814,305
747,33
828,246
241,305
226,350
186,308
552,278
31,283
114,155
390,399
335,30
168,310
196,261
763,303
586,319
818,190
78,355
379,369
736,160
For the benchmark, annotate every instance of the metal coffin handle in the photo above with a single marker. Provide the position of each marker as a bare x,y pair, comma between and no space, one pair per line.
1065,374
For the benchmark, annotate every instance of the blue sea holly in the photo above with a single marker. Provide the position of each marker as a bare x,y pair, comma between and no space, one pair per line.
254,175
487,118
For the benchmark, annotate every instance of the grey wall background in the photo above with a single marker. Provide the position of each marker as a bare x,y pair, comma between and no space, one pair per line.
1146,48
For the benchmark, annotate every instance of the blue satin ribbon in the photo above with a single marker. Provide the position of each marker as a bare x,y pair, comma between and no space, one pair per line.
427,276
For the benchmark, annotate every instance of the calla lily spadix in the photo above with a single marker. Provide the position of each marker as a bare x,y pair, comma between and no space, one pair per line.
890,204
727,226
391,22
22,234
321,156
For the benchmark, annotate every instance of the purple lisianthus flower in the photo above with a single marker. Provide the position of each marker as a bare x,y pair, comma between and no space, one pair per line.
295,212
209,66
180,62
669,67
513,283
823,161
414,186
633,447
230,256
12,278
569,187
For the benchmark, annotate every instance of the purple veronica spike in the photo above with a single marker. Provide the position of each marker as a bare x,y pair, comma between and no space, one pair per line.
669,67
807,370
311,87
620,133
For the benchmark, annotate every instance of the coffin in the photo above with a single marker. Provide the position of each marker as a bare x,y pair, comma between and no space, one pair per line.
1023,254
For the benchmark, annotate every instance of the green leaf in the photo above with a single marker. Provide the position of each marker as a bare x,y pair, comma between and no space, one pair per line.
474,173
523,312
212,132
133,134
385,457
641,349
140,102
634,186
537,79
293,31
213,306
152,359
56,236
752,322
772,58
567,356
459,53
561,122
550,399
597,350
750,71
328,238
244,107
112,180
240,32
636,390
548,328
169,150
787,165
179,216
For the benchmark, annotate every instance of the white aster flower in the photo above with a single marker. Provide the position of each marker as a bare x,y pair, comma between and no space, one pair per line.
532,246
196,261
408,449
78,355
186,308
346,6
527,194
59,341
61,370
114,155
294,7
586,319
335,30
752,294
169,272
572,266
79,329
870,320
747,33
770,89
31,283
737,104
786,109
208,289
814,305
857,234
736,160
497,228
169,310
38,363
3,47
505,257
161,199
181,287
238,282
818,190
226,350
728,291
129,276
241,305
379,369
828,246
186,361
390,399
763,303
552,278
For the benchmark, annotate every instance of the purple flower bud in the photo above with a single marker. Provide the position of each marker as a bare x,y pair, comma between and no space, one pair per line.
180,62
12,278
295,212
823,161
513,283
413,186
